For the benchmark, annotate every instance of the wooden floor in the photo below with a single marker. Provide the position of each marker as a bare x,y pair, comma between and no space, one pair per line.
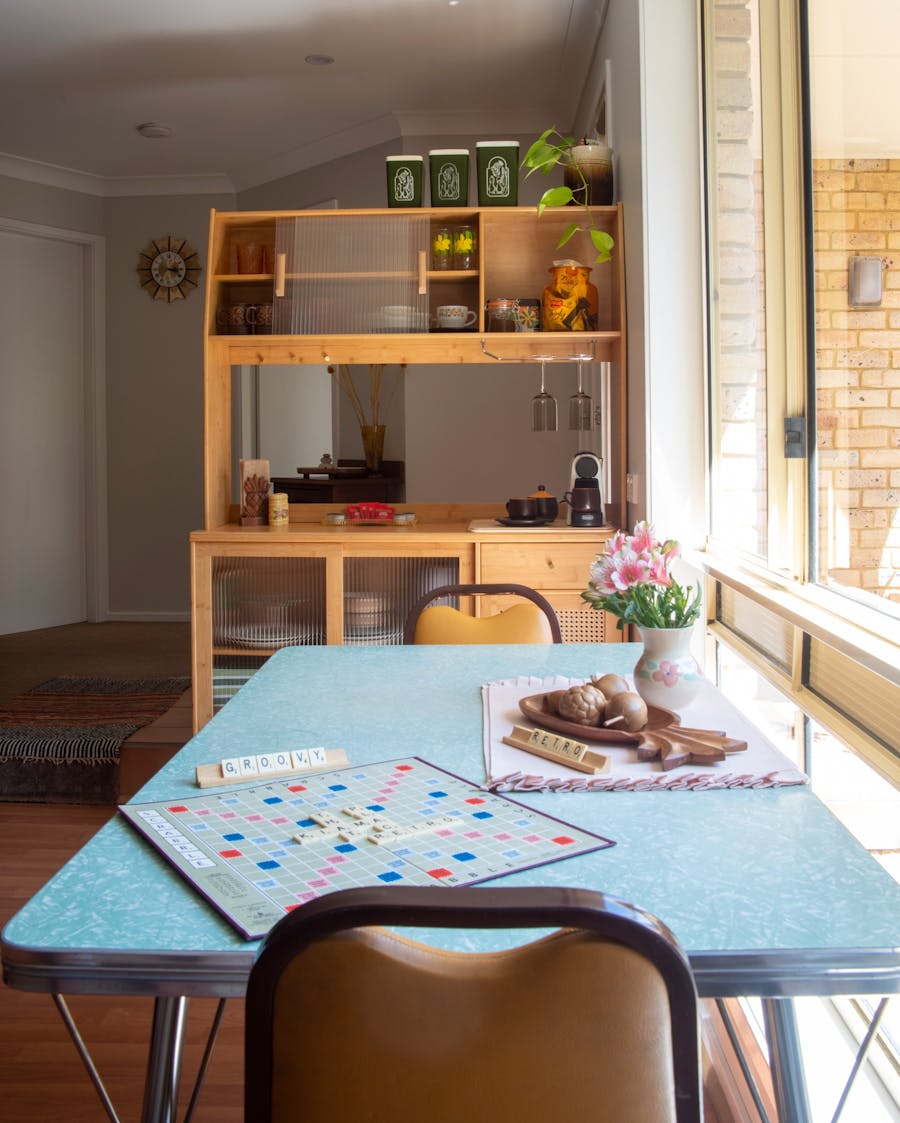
41,1075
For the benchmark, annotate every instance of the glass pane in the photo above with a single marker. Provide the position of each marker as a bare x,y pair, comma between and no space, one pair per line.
737,273
854,90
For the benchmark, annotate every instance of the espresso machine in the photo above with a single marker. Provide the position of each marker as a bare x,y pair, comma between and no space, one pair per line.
583,497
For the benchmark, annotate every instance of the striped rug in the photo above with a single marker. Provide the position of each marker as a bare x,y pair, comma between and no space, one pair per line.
60,741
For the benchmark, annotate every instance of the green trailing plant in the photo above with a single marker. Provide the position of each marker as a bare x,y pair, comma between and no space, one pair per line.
551,150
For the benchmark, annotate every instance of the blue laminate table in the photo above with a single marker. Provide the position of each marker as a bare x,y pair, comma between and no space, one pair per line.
766,891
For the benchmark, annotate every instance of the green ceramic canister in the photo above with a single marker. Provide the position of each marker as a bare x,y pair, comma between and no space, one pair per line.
497,164
449,177
404,180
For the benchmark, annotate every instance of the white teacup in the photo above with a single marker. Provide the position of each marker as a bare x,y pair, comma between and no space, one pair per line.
400,317
454,317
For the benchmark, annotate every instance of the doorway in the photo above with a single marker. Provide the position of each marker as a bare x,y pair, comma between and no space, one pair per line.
52,438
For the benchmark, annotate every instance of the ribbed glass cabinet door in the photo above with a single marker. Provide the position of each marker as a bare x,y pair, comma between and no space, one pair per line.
379,592
358,274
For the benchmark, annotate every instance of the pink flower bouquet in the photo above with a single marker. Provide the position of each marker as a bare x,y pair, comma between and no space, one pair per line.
633,581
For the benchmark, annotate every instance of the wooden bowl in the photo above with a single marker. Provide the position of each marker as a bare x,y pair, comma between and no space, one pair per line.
533,707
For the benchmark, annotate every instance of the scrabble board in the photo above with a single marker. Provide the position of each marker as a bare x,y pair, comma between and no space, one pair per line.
258,852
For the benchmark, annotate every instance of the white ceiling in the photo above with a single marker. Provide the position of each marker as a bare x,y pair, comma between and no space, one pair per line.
229,77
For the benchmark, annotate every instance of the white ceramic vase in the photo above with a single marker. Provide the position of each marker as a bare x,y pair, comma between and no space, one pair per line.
667,674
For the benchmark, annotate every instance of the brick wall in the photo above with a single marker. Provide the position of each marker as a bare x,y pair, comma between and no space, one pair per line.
738,264
857,211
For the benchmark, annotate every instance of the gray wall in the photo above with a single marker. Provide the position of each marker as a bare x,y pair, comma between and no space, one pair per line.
154,365
154,390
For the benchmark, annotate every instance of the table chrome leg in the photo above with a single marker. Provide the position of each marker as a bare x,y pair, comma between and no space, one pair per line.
786,1061
164,1063
85,1055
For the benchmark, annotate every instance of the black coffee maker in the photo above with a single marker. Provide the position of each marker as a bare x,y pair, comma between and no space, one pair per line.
584,499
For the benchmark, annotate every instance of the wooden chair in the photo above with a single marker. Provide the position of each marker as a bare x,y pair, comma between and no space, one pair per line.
348,1021
533,622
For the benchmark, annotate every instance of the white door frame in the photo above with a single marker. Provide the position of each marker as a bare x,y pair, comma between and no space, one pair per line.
94,365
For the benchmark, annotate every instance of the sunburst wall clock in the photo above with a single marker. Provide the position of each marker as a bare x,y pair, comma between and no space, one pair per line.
168,269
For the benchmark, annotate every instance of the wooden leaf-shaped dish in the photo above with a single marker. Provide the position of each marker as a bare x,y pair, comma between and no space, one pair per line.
534,709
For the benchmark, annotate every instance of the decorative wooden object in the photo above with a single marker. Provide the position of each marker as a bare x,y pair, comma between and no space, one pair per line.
255,483
677,745
562,750
269,766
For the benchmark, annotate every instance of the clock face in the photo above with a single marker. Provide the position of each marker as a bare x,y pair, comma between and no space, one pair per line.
168,269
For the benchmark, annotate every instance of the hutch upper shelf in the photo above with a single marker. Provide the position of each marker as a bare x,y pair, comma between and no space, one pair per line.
337,278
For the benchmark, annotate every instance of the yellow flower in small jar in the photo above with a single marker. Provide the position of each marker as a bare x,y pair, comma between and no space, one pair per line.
441,249
464,248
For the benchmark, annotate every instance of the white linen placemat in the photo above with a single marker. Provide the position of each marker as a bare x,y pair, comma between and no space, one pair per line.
761,765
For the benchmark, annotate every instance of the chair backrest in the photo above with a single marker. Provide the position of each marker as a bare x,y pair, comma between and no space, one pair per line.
348,1021
532,622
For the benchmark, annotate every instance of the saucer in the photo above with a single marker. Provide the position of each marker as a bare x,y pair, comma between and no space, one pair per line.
524,522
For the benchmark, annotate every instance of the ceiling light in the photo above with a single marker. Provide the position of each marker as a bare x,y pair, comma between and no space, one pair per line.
153,131
319,60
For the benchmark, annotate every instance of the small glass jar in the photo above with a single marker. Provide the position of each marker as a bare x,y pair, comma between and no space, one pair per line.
500,314
279,510
441,248
464,248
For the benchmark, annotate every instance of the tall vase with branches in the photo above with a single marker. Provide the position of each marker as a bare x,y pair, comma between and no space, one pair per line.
371,425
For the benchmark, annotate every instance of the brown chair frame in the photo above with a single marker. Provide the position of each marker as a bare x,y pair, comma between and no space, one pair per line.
409,629
540,907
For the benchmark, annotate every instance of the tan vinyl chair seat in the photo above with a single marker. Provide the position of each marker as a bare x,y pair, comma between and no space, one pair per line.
532,621
367,1024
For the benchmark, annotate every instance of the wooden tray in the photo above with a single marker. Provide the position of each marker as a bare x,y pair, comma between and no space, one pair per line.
533,708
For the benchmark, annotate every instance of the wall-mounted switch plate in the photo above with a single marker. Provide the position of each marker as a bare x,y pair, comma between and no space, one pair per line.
632,491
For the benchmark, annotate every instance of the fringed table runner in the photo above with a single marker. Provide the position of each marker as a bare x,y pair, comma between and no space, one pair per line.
507,768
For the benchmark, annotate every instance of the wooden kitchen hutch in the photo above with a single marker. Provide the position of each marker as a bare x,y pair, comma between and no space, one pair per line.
255,589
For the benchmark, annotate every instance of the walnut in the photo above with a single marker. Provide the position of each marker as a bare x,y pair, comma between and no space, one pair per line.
626,710
584,704
609,685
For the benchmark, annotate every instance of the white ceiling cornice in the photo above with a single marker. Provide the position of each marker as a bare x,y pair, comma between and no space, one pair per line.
49,175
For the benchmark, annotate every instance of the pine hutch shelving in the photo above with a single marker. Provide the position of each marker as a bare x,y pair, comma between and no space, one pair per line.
328,275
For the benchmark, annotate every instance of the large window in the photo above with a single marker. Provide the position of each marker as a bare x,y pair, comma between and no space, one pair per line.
803,206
